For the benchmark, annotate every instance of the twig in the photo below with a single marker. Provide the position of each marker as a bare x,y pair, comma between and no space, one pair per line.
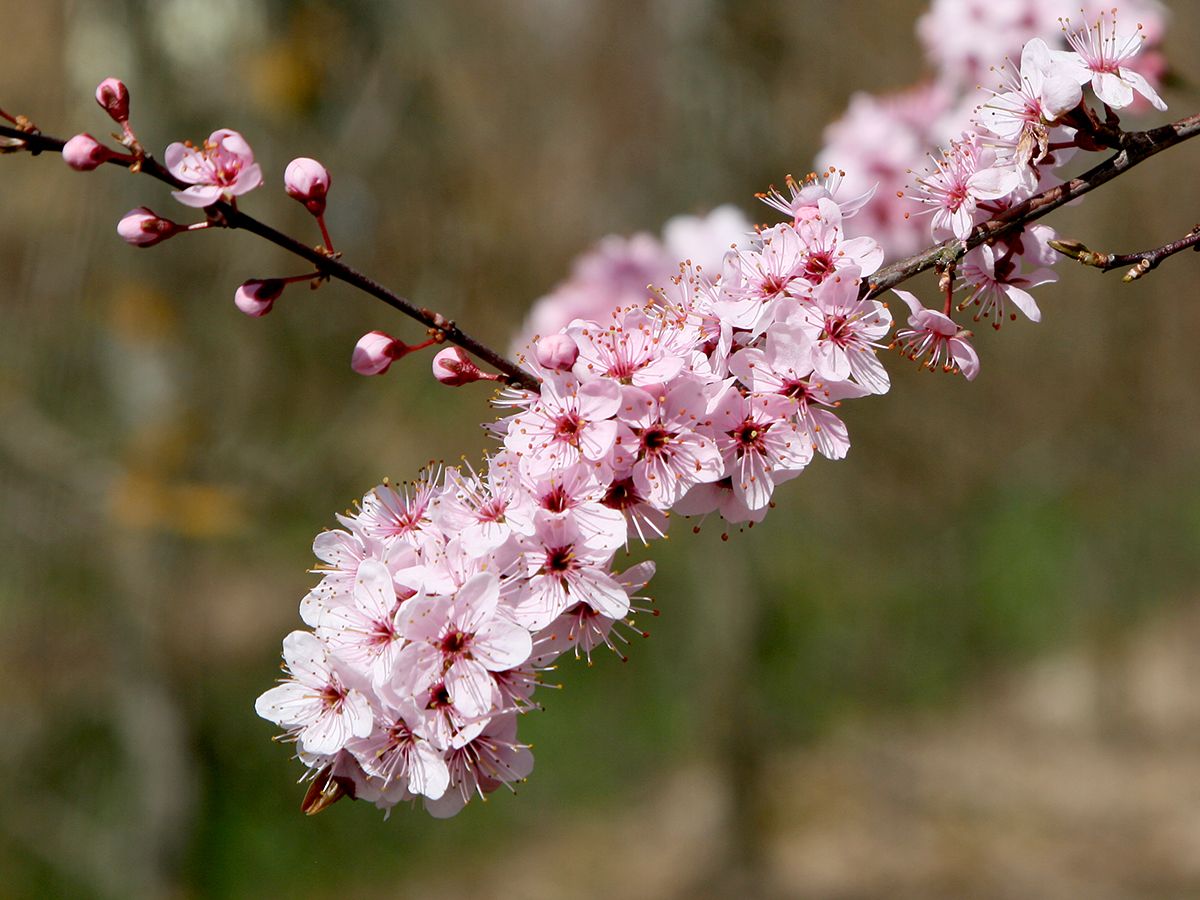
229,216
1140,262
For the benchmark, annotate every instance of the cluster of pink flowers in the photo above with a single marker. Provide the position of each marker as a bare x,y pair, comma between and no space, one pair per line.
882,140
442,602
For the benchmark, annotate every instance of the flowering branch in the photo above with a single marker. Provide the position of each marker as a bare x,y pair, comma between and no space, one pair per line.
1140,262
442,601
226,214
1137,146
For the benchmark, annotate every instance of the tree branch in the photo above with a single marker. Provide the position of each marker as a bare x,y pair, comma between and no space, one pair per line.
1136,147
230,216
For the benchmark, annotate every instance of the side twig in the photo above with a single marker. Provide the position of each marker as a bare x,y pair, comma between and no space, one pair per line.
1140,262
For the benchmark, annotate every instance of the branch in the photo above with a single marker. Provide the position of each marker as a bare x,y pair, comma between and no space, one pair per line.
230,216
1140,262
1137,146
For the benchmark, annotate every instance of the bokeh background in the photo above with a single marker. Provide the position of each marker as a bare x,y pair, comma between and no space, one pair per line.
960,663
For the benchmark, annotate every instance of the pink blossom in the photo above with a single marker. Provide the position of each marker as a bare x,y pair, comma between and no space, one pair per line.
662,441
720,497
965,175
400,512
458,642
993,280
491,759
826,249
364,633
476,507
760,445
935,338
845,332
581,629
222,169
785,367
401,756
375,352
1098,54
569,422
315,705
640,347
803,202
641,516
563,569
576,492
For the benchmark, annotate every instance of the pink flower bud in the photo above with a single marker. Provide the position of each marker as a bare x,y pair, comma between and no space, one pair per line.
307,181
452,366
113,97
557,351
375,352
84,153
256,296
143,227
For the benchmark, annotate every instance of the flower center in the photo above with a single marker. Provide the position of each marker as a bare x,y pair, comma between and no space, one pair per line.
568,427
750,434
455,643
560,559
655,438
818,267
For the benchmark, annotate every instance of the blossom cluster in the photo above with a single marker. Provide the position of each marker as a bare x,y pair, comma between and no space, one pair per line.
442,603
882,139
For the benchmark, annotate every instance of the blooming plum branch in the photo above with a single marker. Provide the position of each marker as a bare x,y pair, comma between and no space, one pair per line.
441,602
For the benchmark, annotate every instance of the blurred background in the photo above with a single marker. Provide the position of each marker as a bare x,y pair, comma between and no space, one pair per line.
960,663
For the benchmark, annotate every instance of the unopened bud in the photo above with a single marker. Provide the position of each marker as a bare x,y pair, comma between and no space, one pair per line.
557,351
452,366
113,97
143,227
307,180
375,352
256,296
84,153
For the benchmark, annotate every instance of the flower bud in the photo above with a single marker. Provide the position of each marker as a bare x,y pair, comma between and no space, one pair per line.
452,366
375,352
143,227
256,296
84,153
113,97
307,180
557,351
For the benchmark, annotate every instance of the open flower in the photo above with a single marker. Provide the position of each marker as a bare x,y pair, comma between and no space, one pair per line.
315,705
1096,55
221,169
935,338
